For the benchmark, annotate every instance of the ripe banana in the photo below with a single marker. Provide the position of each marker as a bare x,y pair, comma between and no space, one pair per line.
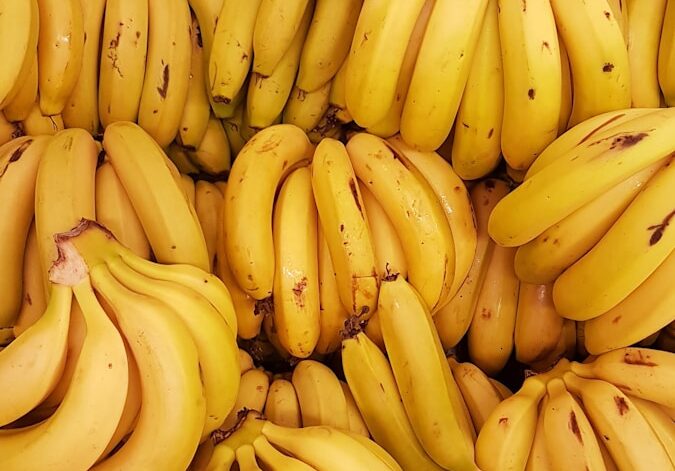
208,202
305,109
539,459
532,80
476,147
232,129
625,256
296,277
660,422
33,298
167,70
212,155
179,156
357,426
37,124
20,24
125,47
19,107
567,92
149,179
281,405
337,98
402,191
598,57
81,107
666,58
479,394
276,460
252,394
538,325
645,20
320,395
60,47
429,393
376,56
345,227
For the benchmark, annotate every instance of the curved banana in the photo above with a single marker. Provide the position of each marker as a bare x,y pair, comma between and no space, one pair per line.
149,179
625,256
255,175
167,70
539,459
38,124
646,310
274,459
538,325
567,92
81,107
628,436
320,395
666,58
22,102
429,393
212,155
532,80
479,394
252,394
402,191
598,57
476,146
660,422
208,202
642,372
33,298
305,109
60,47
345,227
124,50
20,25
357,425
281,405
296,278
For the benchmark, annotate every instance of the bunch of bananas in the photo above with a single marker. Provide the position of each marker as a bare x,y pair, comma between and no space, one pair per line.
613,412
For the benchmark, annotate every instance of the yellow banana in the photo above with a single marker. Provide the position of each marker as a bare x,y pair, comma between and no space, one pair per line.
209,200
645,20
296,278
624,257
253,388
476,146
539,459
337,98
124,50
268,92
37,124
169,222
305,109
538,325
345,227
81,107
598,57
276,460
187,184
660,422
666,58
620,11
20,105
281,405
257,172
532,80
566,91
20,24
479,394
356,423
320,395
179,156
212,155
167,70
402,190
429,393
502,389
60,51
33,299
245,361
232,129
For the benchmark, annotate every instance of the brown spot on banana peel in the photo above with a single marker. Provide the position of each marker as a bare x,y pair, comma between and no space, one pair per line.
659,229
264,307
601,126
531,93
608,67
299,290
638,358
16,155
355,195
504,421
574,427
621,405
163,90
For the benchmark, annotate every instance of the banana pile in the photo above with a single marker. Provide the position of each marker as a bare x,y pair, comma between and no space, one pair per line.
612,412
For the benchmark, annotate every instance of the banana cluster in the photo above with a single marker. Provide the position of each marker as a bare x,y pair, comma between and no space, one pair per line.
611,412
593,217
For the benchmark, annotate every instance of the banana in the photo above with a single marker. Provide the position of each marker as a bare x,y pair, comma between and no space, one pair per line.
598,57
208,201
9,130
544,258
257,172
252,394
19,24
268,92
274,459
539,459
78,431
60,52
454,198
502,389
64,190
296,278
642,372
328,42
115,211
33,299
372,383
19,163
231,55
490,336
430,395
476,147
167,70
19,107
81,107
305,109
660,422
453,319
332,314
123,55
196,110
402,190
37,124
179,156
666,57
624,257
271,335
376,56
34,376
171,387
357,426
630,440
245,361
246,459
325,447
187,184
345,227
645,20
337,97
148,177
590,169
281,405
643,312
532,80
216,347
566,91
620,12
212,155
507,435
479,394
232,126
320,395
538,325
569,436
